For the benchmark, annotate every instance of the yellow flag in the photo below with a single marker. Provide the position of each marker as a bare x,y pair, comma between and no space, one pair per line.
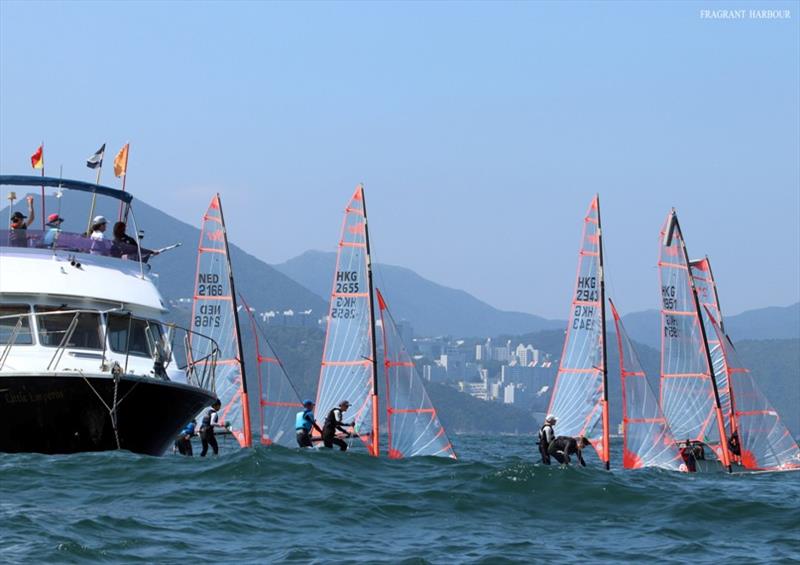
121,162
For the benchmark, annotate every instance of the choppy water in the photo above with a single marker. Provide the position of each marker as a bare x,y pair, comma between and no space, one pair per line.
492,506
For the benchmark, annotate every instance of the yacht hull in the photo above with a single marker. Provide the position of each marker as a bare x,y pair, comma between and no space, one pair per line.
70,413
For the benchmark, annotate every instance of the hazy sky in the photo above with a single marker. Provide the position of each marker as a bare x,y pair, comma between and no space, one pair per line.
481,130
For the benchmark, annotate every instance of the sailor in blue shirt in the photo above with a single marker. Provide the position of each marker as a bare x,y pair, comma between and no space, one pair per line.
184,441
304,422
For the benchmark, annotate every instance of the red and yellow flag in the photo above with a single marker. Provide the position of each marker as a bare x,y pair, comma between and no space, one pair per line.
121,162
37,159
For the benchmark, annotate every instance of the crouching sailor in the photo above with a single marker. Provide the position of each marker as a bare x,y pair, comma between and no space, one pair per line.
334,423
184,442
210,421
564,446
546,436
304,423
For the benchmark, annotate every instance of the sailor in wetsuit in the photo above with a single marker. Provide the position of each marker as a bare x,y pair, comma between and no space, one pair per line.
184,441
687,454
564,446
210,421
334,423
304,423
547,434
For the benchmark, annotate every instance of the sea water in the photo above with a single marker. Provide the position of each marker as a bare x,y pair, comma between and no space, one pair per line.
496,504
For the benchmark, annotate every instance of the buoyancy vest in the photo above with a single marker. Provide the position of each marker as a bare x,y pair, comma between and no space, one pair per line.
301,422
543,434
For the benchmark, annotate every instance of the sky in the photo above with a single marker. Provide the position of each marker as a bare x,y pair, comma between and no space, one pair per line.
480,130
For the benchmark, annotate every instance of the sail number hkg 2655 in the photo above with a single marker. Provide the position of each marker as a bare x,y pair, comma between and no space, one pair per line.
347,282
344,308
208,284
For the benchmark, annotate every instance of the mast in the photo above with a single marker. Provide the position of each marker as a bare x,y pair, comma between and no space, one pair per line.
716,294
245,402
375,418
720,422
606,453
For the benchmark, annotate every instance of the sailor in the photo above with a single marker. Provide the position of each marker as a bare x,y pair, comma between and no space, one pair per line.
184,441
303,424
54,222
334,423
210,421
18,237
687,454
546,436
733,444
99,224
564,446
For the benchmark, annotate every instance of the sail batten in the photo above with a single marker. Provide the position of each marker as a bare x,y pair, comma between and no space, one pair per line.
579,399
215,314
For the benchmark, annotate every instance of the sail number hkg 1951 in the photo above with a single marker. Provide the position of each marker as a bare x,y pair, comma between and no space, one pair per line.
208,284
208,316
670,302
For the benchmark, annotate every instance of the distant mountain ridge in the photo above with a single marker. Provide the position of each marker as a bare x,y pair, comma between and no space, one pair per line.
431,308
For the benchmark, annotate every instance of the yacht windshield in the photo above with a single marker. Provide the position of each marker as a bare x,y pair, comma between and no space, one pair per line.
10,316
85,334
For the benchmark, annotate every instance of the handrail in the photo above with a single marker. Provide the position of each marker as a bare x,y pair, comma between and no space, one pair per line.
199,371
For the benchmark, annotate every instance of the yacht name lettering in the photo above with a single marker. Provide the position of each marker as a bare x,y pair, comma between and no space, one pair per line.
208,284
26,397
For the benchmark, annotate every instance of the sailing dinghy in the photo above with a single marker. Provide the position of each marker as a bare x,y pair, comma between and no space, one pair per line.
580,392
690,397
350,358
215,314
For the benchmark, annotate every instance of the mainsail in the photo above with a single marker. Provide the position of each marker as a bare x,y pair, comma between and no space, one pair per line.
279,401
580,394
764,441
214,314
414,427
349,357
689,397
647,440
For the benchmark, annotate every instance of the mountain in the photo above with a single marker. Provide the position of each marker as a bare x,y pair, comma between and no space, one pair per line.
263,286
432,309
774,322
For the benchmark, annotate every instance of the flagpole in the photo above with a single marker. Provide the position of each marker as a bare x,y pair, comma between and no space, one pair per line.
94,196
42,186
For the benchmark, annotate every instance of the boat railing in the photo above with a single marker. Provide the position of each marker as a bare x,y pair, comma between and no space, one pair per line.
167,345
72,242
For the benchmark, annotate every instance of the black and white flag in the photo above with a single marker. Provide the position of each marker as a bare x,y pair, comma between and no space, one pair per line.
96,160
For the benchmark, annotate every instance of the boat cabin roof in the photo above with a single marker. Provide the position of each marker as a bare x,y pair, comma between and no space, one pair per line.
32,180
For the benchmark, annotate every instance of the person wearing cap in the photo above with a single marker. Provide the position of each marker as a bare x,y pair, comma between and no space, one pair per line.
99,224
333,423
564,446
54,222
547,434
18,237
303,424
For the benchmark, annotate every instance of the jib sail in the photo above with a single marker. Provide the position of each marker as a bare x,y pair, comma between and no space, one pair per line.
647,440
580,397
278,399
349,356
764,442
214,314
414,428
689,397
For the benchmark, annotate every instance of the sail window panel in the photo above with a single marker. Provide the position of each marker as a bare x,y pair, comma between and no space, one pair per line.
10,316
87,333
134,336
